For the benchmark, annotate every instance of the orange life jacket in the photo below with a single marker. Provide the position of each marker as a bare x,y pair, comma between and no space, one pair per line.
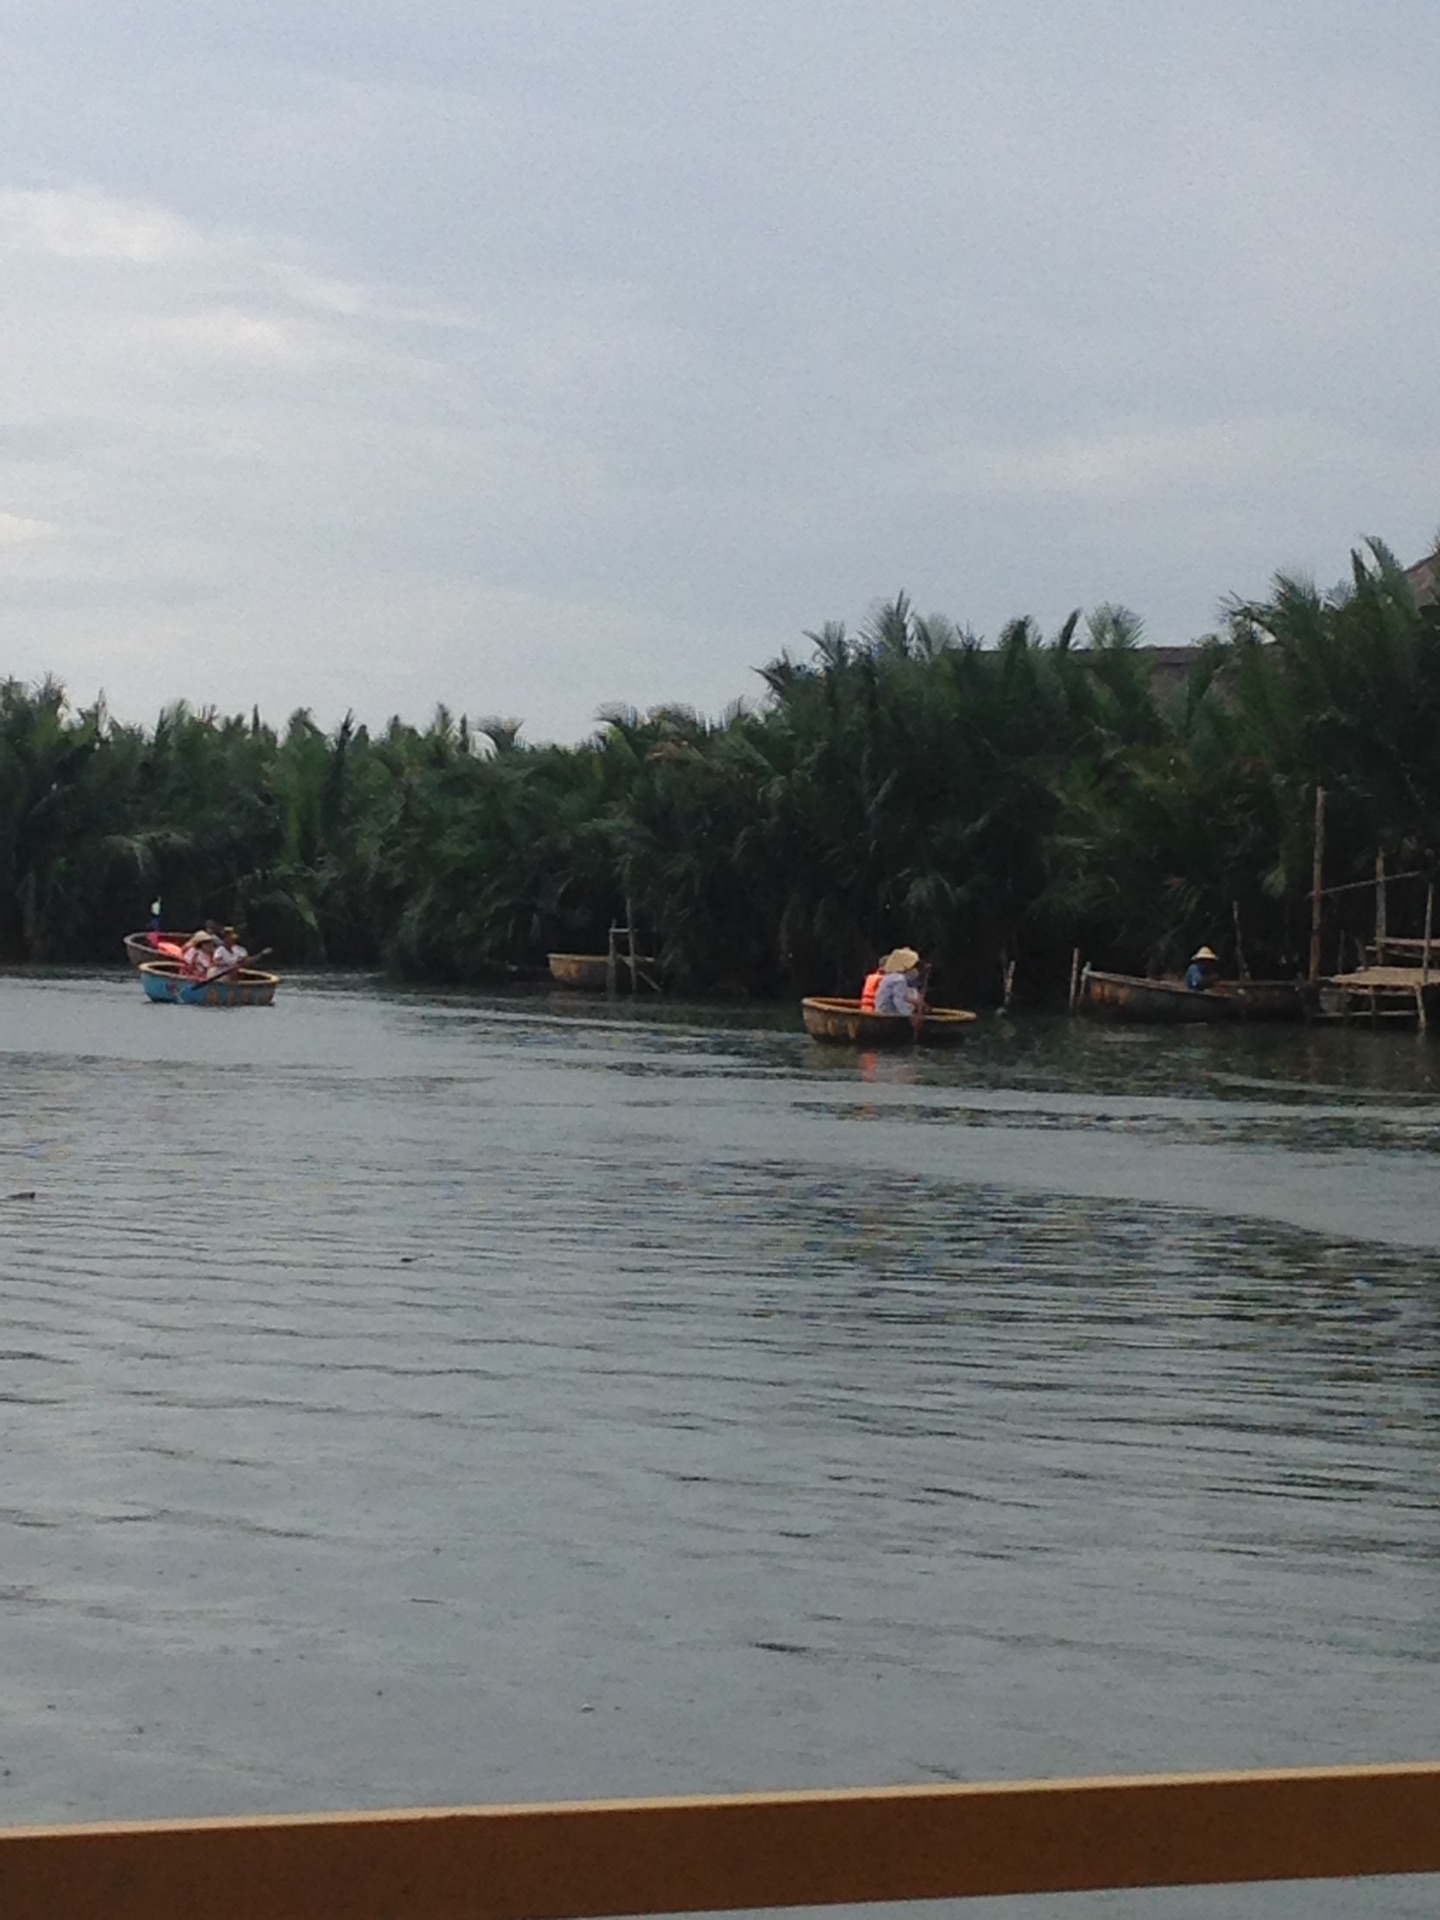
870,989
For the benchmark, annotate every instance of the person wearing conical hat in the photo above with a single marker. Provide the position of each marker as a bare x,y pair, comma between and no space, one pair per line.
899,991
1203,969
198,956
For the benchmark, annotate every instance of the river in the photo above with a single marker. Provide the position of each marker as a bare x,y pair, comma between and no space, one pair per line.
413,1399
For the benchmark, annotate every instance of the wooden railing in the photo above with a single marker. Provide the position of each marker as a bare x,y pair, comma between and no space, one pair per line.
763,1850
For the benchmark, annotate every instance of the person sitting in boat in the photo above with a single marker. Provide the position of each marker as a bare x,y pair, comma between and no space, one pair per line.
899,991
228,951
198,960
1203,969
872,985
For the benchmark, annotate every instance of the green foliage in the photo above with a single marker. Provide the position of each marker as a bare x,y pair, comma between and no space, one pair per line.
899,783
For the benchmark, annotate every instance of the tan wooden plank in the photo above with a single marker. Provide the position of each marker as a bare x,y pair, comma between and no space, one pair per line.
665,1856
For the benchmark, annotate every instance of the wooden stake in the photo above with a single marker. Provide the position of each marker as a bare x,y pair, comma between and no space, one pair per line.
1317,881
1074,978
1381,929
1429,924
1425,956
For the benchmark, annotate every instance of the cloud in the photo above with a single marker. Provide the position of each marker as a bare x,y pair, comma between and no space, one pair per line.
93,226
636,339
17,531
223,333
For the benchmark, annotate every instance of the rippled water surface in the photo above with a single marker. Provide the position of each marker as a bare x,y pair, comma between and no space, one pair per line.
420,1399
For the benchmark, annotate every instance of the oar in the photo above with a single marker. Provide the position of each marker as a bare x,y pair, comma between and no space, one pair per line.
918,1016
235,966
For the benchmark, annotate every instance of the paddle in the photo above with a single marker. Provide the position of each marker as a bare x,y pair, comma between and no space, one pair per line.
235,966
917,1018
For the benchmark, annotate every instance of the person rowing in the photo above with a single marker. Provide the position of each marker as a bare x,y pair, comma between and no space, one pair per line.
899,991
198,960
1203,969
229,954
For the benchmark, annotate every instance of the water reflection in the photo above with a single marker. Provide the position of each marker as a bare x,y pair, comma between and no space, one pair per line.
382,1383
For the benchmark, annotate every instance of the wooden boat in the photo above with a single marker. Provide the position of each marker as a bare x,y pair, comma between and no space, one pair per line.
845,1022
590,972
586,971
1124,996
140,948
246,987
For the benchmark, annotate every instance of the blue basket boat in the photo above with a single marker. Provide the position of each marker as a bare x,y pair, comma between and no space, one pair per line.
246,987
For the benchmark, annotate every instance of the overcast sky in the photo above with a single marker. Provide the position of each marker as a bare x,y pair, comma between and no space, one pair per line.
536,356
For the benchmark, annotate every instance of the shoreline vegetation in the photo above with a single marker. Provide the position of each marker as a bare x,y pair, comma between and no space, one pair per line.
992,805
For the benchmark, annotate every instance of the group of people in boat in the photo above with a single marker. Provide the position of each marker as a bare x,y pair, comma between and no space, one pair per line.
896,986
210,951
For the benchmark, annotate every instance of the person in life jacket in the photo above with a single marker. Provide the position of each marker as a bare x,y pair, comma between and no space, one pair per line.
872,985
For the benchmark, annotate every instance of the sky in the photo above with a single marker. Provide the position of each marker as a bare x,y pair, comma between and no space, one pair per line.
534,358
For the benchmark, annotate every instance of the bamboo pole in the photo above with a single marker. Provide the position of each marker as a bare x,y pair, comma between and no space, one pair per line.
634,956
610,965
1429,924
1422,1018
1240,967
1317,883
1381,928
1074,978
720,1854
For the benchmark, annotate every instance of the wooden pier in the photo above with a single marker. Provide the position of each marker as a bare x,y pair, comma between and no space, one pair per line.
1400,999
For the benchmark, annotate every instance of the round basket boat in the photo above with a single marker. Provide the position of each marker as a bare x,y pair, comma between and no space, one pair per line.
246,987
140,948
587,971
845,1022
592,972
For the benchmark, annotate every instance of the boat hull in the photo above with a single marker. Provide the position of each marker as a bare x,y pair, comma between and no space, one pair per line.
590,972
585,971
1123,996
845,1023
250,987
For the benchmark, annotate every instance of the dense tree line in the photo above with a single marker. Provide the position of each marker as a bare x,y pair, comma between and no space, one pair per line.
983,803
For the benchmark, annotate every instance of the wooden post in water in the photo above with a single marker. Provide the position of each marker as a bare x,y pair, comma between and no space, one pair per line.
1074,978
1425,956
1381,928
634,956
610,965
1317,881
